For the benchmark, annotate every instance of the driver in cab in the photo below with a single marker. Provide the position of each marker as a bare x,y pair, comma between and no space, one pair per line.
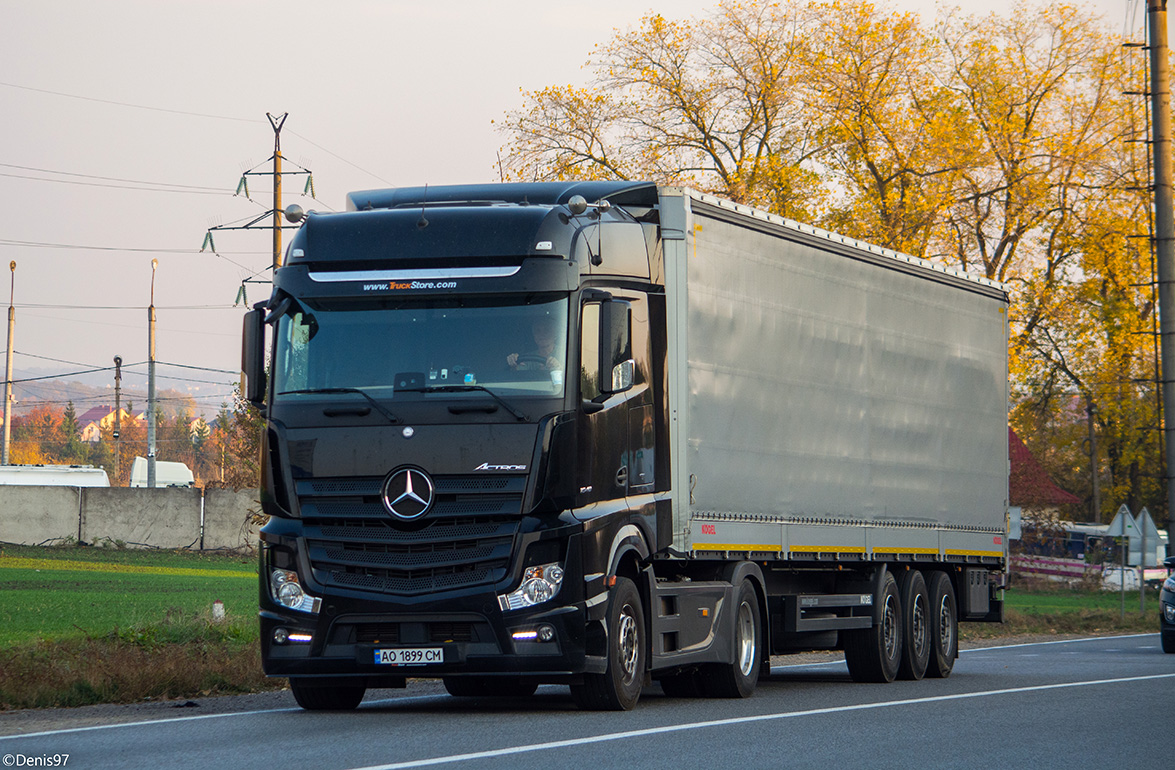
543,356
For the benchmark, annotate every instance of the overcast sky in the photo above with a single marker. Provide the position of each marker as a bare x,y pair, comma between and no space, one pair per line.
174,93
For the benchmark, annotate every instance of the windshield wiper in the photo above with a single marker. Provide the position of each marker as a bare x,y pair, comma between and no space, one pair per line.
393,419
466,389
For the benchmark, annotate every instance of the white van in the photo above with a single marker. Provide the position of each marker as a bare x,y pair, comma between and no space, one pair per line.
167,474
54,475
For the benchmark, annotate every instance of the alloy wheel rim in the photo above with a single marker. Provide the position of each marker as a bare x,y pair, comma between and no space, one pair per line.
628,644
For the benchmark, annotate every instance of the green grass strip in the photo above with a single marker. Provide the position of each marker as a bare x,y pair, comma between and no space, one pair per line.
89,566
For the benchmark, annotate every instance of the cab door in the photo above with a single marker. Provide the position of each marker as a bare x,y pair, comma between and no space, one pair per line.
616,409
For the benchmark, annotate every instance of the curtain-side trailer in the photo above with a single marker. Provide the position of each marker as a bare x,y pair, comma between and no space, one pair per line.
606,433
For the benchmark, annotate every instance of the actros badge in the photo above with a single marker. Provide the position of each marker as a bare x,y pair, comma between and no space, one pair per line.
408,493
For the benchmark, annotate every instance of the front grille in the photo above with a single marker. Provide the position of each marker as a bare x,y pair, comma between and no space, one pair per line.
466,539
389,633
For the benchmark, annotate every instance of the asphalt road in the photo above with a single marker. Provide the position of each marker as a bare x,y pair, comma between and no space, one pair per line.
1082,703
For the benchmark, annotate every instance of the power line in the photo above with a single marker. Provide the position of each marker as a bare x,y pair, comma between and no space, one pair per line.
46,245
128,104
125,368
193,114
201,368
112,178
43,306
67,374
114,186
344,160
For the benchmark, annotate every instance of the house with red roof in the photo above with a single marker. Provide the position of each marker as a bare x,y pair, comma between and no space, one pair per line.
93,421
1029,484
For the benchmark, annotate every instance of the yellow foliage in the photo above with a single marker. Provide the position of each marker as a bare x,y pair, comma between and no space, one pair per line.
999,144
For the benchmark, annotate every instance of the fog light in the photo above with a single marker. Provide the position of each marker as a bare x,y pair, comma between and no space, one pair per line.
280,636
1169,612
546,633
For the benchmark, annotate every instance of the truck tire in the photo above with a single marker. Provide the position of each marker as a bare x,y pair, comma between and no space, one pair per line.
944,626
738,678
619,687
490,686
1168,641
874,654
915,626
314,697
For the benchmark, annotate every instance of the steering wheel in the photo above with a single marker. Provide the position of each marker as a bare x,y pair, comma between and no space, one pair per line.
530,361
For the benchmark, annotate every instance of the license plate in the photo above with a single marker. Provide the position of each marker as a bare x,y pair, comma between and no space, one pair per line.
410,656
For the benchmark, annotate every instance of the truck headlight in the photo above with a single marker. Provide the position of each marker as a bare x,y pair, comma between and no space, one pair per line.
1169,584
287,591
539,584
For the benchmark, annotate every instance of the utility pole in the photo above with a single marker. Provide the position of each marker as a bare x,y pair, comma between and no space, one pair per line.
277,123
1096,502
151,382
117,416
274,214
8,366
1164,223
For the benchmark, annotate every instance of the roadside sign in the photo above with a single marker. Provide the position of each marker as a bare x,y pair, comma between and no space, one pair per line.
1123,524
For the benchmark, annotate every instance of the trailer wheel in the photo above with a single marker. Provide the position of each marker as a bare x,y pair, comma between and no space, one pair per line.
916,626
619,687
944,627
314,697
738,679
874,654
490,686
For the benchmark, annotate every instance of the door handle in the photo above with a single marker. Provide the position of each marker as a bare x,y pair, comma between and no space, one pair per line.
622,476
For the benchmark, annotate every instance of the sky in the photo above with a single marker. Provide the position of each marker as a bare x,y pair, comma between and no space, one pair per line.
125,127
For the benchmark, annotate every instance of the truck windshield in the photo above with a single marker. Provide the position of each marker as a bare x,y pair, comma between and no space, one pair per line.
514,346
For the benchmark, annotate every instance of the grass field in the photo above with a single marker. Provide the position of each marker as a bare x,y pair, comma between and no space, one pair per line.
82,625
62,593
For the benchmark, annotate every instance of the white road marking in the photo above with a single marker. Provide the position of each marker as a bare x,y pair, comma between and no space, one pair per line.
417,698
197,717
514,750
1056,641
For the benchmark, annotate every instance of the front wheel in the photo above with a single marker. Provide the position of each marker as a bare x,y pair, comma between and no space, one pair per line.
738,679
314,697
619,687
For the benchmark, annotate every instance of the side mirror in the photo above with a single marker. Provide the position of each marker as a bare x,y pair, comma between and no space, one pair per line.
616,346
253,356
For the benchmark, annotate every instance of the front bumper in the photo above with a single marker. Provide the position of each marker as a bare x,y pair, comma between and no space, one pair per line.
476,637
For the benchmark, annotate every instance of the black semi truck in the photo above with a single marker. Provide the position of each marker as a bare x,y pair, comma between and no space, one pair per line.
608,433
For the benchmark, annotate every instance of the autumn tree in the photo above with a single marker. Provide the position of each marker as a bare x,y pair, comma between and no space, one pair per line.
1003,145
700,102
896,136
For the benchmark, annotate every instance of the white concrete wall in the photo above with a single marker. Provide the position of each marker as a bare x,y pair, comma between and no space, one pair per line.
156,518
32,515
228,519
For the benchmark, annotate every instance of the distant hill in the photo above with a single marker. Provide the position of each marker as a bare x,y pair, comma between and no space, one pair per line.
47,386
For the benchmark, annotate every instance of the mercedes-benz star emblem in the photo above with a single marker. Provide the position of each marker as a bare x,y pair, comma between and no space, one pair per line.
408,493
